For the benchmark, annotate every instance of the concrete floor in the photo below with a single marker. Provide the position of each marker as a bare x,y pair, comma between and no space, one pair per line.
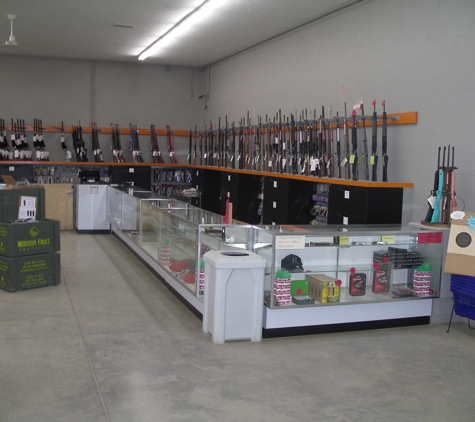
111,343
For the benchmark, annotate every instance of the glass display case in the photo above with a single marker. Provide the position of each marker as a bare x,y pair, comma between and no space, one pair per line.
173,234
337,265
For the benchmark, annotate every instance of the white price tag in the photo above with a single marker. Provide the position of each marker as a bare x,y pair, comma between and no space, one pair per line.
347,194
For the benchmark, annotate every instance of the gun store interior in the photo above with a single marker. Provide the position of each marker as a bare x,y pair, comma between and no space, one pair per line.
198,198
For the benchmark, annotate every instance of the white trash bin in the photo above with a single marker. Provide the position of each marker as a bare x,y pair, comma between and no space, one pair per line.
234,295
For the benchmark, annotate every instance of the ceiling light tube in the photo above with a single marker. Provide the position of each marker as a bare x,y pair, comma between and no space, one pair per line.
180,27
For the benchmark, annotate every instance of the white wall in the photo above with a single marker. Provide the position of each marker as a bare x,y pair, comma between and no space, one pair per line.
76,91
416,55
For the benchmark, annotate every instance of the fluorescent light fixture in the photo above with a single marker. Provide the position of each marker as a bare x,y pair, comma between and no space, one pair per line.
180,27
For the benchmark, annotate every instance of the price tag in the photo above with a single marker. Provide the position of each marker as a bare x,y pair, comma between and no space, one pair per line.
352,159
274,204
229,177
347,194
131,170
269,164
371,160
345,221
344,240
275,183
389,239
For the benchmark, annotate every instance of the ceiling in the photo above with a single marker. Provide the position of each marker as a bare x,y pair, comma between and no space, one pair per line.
84,29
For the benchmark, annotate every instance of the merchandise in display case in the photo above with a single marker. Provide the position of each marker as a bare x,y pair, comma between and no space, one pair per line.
337,265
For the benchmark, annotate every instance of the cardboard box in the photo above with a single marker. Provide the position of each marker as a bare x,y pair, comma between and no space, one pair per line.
323,288
29,238
460,257
28,272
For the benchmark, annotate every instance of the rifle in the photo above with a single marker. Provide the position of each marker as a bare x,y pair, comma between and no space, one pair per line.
44,153
195,141
226,142
117,153
201,146
171,148
433,192
374,145
446,207
218,144
246,142
330,144
452,183
3,134
233,146
440,186
346,160
190,141
354,145
95,144
137,146
156,154
293,141
384,141
338,145
303,145
365,144
257,146
211,144
240,145
312,146
82,144
67,153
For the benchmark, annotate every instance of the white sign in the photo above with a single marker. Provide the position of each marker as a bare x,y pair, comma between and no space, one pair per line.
27,208
290,242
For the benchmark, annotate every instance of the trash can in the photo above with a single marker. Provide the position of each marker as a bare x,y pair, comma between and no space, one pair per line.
234,295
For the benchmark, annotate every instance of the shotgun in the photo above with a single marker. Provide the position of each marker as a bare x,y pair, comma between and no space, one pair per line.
384,141
240,145
323,145
195,140
293,141
374,145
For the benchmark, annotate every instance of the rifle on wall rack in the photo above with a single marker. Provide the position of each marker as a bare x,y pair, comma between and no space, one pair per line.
116,147
96,149
78,143
365,144
156,154
233,146
5,149
374,145
384,141
331,152
354,146
190,141
338,145
134,145
171,147
67,153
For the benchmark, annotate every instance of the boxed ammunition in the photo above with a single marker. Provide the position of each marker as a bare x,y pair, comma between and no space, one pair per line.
323,288
29,238
28,272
